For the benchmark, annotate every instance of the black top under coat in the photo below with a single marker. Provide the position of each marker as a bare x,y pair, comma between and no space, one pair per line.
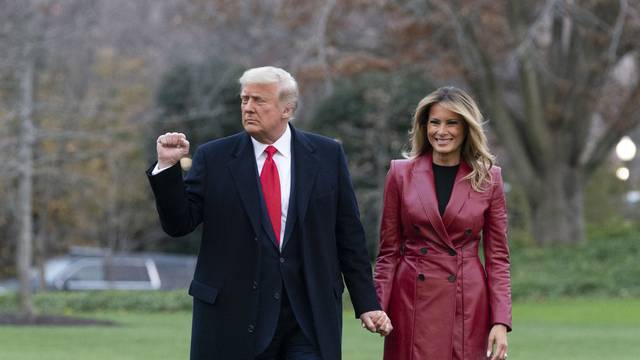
444,177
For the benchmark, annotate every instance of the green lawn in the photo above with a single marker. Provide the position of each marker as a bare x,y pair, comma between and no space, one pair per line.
576,329
567,329
138,336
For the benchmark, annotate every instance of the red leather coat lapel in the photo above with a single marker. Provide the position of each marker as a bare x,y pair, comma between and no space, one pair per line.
423,184
459,194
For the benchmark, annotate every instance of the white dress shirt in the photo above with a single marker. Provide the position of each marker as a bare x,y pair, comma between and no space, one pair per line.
282,158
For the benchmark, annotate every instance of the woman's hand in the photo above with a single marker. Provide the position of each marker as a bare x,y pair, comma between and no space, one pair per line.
497,346
377,321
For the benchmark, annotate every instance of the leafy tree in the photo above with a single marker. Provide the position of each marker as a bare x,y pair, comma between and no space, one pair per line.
557,79
371,115
200,99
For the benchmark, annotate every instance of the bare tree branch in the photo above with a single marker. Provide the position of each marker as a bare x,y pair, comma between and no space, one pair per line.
318,42
616,34
489,89
627,120
535,125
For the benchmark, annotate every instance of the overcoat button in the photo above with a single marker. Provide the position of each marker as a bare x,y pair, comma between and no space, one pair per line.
423,250
421,277
276,295
451,278
282,260
250,329
254,286
452,252
255,238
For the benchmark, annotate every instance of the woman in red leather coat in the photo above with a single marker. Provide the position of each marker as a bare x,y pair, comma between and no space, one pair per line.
444,303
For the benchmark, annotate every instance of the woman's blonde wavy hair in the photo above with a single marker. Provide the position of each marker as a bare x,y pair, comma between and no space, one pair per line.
475,150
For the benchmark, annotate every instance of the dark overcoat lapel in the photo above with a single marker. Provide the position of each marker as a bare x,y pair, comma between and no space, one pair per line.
243,169
305,168
303,174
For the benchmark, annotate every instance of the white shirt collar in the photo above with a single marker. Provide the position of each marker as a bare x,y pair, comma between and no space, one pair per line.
283,144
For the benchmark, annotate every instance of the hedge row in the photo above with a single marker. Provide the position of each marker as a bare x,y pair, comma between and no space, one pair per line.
608,265
601,267
92,301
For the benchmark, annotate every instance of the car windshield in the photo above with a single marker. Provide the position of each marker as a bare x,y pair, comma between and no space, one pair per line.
53,268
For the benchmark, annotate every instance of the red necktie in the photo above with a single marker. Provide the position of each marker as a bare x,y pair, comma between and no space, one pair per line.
270,181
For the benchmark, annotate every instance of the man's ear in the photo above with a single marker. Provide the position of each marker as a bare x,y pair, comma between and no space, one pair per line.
288,111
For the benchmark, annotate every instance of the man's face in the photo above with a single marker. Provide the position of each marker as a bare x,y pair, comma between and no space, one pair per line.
263,116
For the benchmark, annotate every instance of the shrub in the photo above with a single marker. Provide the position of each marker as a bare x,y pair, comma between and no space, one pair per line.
96,301
605,265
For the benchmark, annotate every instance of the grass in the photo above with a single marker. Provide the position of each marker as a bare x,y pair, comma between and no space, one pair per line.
559,329
576,329
139,336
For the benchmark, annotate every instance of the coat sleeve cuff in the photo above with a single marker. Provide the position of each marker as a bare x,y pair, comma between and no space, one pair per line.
508,325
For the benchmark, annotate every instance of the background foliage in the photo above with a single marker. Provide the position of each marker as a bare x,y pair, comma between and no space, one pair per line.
99,81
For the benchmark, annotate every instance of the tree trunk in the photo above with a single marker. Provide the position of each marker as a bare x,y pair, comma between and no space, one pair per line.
25,190
557,211
41,238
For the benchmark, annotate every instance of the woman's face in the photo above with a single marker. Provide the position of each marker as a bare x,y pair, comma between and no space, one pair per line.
446,132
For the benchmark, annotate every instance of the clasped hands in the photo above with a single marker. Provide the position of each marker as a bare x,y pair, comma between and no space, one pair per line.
376,321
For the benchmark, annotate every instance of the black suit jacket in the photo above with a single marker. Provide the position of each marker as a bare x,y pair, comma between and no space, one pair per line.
222,192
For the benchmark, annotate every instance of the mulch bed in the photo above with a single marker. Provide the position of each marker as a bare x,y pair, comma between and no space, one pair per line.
52,320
